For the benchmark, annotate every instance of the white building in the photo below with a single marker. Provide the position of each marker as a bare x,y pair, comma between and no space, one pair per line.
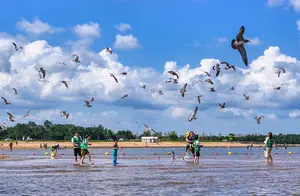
150,139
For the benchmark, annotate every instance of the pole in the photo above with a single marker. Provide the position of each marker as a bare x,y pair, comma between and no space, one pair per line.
137,131
262,128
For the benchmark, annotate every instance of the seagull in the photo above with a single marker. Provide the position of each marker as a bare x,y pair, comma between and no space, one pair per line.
43,72
107,49
87,104
143,86
231,89
151,91
183,90
193,116
65,83
198,97
217,69
16,47
161,92
64,113
125,96
222,106
285,84
175,81
27,114
209,81
59,63
212,89
76,59
93,99
112,75
10,117
174,74
246,97
124,73
258,118
280,71
228,66
277,88
239,42
208,74
16,92
147,129
3,127
5,102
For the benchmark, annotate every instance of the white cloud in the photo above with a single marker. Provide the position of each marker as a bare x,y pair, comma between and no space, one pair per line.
294,114
88,30
177,112
298,25
271,117
275,2
222,39
126,42
295,4
254,41
123,27
36,27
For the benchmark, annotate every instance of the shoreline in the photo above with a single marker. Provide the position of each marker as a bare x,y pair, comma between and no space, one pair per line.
163,144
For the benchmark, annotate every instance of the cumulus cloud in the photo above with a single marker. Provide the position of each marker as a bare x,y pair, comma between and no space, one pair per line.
88,30
126,42
123,27
295,4
36,27
294,114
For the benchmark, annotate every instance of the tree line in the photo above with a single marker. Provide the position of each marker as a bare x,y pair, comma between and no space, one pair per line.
50,131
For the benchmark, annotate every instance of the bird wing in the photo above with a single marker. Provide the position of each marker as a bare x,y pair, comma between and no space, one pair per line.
15,46
4,99
184,87
207,73
196,110
15,90
28,112
233,67
65,83
239,36
227,64
243,53
199,99
245,96
112,75
9,114
218,72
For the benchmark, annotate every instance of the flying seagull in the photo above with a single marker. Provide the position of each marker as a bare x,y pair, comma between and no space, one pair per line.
212,89
124,96
161,92
16,92
147,129
87,104
217,69
64,114
43,73
27,114
228,66
198,97
16,47
280,71
239,42
93,99
107,49
193,116
277,88
231,89
209,81
208,74
76,59
174,74
59,63
10,117
258,118
124,73
183,90
3,127
65,83
222,106
246,97
143,86
5,102
112,75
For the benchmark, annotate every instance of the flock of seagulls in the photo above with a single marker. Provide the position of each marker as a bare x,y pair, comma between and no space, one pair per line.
237,44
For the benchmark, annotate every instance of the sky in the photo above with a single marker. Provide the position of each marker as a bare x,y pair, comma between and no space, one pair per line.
148,39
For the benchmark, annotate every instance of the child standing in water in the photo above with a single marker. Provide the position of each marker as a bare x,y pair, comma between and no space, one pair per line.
268,145
196,149
84,149
115,152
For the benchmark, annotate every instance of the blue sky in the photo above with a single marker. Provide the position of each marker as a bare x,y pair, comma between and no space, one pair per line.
181,31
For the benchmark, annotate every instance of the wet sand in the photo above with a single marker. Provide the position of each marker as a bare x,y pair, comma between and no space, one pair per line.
36,144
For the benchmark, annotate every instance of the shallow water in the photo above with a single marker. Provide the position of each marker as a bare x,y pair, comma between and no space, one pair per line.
140,172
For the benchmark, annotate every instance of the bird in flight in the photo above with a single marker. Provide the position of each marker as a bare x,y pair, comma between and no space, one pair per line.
3,127
113,76
143,86
198,97
65,83
16,92
88,103
208,74
222,106
246,97
147,129
124,96
76,59
107,49
280,70
43,73
174,74
209,81
212,89
65,114
16,47
5,102
228,66
10,117
27,114
231,89
217,69
161,92
183,90
193,116
258,118
238,44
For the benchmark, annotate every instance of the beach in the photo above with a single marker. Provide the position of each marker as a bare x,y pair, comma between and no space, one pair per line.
163,144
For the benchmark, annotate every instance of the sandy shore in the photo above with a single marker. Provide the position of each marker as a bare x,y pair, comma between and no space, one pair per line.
36,144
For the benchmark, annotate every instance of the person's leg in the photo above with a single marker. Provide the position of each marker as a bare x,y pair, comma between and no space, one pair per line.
90,159
75,155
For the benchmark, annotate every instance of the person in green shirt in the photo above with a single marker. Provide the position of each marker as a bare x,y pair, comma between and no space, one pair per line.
197,146
268,145
84,149
76,141
115,151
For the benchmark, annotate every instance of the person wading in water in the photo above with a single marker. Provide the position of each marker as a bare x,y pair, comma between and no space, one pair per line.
76,141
